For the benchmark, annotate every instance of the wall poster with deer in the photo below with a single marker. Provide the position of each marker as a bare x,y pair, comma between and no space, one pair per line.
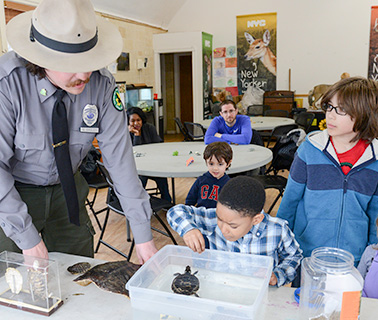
257,51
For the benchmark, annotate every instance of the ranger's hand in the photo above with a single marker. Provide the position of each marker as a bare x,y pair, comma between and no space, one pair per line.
39,251
145,250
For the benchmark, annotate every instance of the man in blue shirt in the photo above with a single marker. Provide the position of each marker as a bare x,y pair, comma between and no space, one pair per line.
229,126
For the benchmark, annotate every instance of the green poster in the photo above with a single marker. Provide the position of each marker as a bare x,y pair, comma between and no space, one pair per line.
207,71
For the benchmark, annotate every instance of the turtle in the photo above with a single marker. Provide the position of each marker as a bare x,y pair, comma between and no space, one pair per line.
185,283
110,276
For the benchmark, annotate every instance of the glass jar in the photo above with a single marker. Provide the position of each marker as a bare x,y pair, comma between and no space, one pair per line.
330,285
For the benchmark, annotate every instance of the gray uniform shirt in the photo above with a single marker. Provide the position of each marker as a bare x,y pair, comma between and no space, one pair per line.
26,152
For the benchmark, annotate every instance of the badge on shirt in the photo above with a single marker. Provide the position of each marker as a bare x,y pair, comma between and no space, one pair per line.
90,117
117,102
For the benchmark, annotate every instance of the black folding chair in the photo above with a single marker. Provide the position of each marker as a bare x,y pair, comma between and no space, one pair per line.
183,130
280,131
89,170
97,182
195,130
304,120
113,204
283,156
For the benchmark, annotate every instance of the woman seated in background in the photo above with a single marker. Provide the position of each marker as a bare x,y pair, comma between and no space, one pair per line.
142,132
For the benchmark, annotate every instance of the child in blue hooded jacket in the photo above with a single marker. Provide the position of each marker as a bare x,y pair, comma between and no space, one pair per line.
331,198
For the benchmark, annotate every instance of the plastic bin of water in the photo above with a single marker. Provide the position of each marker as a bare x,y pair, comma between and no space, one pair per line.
233,286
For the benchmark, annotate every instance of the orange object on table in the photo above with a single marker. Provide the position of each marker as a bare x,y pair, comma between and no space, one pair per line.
189,161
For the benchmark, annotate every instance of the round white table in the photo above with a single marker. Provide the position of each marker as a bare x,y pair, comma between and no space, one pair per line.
260,123
157,159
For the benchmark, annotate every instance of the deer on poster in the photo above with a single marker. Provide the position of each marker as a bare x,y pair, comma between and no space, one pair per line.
258,49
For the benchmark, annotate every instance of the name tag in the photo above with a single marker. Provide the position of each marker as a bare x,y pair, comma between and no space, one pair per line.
89,129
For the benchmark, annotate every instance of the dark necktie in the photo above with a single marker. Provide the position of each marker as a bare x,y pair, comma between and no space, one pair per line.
62,156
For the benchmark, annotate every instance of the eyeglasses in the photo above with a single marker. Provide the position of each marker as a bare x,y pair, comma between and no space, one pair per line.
228,112
329,107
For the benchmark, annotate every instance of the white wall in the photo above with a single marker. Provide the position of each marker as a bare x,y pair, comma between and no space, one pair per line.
317,39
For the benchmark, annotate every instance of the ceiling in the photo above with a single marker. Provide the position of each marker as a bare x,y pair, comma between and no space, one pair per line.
157,13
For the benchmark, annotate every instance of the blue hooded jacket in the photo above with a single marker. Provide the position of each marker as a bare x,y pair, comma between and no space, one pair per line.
325,207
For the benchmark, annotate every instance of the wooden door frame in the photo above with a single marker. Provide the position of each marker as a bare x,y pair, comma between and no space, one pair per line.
195,80
158,76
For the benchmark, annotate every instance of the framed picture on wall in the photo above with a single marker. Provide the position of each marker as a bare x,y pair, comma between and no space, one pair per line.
123,62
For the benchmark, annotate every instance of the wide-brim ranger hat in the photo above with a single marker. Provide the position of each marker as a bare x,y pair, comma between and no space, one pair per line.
66,36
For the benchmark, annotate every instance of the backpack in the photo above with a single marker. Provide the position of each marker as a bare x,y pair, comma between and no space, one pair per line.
285,149
88,167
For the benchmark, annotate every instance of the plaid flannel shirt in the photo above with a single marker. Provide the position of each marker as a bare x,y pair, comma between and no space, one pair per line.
271,237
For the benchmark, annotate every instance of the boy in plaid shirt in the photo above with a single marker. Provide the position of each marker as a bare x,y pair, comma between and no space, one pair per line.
239,224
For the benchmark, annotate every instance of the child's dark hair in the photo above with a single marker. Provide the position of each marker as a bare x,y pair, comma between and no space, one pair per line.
227,102
244,195
220,150
359,98
138,111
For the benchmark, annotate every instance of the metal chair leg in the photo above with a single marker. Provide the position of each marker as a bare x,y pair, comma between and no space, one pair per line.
90,203
103,230
131,250
128,231
101,241
275,201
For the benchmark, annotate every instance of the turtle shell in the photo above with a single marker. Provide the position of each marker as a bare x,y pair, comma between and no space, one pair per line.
79,268
185,283
110,276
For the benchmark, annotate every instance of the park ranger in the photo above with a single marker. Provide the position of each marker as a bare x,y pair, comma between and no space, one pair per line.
55,98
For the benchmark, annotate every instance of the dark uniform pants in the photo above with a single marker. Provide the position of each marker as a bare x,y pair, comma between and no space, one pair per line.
47,207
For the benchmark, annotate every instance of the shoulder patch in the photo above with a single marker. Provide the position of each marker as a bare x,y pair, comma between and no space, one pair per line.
117,102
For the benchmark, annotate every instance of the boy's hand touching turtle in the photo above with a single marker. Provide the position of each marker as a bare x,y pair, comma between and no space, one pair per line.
194,240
